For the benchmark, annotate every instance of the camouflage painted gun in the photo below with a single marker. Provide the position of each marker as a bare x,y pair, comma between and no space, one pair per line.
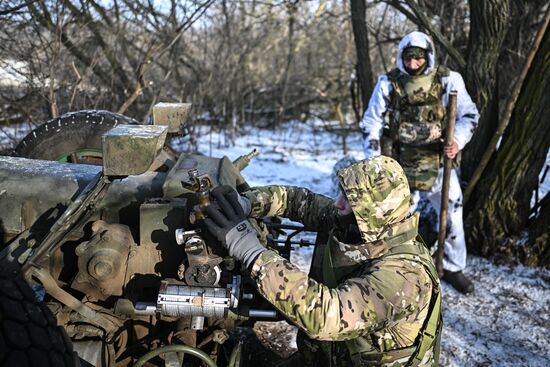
119,253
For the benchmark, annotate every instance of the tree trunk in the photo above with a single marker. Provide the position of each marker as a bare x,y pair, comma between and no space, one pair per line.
489,23
536,252
364,67
501,200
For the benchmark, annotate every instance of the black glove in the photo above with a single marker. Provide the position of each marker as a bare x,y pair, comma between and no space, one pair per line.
228,223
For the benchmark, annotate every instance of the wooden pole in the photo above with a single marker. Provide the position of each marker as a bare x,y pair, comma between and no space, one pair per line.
447,167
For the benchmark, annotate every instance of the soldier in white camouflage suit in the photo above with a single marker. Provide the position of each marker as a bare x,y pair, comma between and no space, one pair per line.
405,119
376,301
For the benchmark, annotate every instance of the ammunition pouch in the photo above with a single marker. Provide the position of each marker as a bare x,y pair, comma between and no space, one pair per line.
419,133
367,359
421,164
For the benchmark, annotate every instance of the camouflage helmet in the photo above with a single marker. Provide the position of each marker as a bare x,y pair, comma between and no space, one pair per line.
379,195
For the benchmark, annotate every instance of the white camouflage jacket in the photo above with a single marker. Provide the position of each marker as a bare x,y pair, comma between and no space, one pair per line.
373,120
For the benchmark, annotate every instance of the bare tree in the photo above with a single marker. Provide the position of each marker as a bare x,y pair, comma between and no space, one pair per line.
488,28
502,199
365,78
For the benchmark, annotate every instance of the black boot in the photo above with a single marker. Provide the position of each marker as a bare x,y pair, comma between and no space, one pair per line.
459,281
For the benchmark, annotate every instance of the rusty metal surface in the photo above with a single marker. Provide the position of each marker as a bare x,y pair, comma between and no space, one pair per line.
62,296
102,261
204,268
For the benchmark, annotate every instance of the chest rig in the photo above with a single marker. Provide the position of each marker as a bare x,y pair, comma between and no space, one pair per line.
416,125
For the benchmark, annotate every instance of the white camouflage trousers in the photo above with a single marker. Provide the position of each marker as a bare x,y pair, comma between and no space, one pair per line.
455,242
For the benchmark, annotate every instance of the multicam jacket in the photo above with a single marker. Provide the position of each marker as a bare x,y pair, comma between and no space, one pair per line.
412,109
381,291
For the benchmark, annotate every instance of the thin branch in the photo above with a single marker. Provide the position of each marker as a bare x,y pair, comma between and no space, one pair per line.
198,13
76,84
138,91
46,21
140,85
423,21
107,50
16,8
410,16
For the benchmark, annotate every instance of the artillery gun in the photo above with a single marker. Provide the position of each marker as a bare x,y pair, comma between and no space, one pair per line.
117,254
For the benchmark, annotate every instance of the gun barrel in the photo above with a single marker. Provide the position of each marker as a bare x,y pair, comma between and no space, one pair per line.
243,161
283,225
301,242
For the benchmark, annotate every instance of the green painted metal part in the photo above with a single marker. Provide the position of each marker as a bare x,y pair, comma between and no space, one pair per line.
179,349
81,154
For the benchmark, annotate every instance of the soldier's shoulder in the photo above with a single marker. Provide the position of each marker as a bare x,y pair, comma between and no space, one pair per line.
412,262
417,261
395,277
443,71
393,74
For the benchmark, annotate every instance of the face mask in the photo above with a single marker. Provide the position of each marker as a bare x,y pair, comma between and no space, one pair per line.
416,53
418,71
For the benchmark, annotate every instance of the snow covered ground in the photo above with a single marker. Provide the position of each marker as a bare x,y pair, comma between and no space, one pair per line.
506,322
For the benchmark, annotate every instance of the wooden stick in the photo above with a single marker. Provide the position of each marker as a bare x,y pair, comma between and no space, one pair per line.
447,167
511,103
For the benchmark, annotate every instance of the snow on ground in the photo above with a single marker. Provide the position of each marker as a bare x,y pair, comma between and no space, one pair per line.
506,322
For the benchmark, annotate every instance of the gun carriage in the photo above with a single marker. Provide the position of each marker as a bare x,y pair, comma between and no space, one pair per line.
116,249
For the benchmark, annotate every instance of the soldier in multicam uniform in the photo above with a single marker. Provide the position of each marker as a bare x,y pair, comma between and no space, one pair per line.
405,119
376,301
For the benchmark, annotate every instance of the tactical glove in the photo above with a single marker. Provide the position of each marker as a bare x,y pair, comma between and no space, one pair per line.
228,223
228,190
